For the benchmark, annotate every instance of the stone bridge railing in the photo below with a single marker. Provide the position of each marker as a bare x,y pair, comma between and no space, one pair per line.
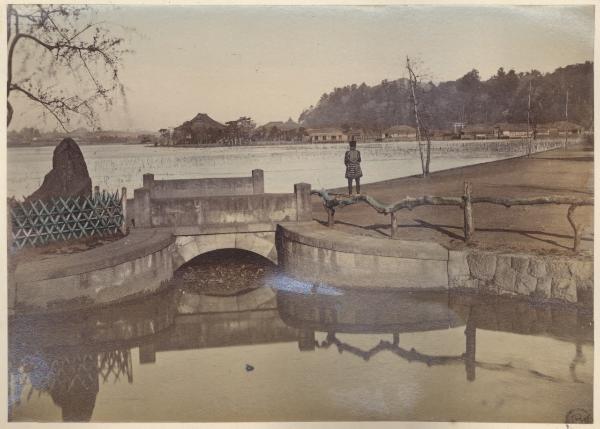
187,188
215,201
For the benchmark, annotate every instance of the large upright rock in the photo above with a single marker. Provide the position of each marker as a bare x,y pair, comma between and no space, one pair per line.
69,176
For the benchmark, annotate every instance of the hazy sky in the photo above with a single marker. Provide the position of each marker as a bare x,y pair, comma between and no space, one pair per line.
271,62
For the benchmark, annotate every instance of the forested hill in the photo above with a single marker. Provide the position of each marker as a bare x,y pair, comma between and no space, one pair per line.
502,98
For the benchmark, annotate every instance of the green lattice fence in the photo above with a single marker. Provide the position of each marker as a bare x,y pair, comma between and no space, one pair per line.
36,223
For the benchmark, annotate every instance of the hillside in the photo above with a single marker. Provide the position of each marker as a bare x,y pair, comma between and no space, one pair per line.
502,98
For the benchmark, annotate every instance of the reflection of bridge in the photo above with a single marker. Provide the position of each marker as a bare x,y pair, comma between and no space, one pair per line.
86,352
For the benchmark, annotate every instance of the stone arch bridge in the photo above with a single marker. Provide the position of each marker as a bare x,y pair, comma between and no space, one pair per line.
217,213
170,223
173,221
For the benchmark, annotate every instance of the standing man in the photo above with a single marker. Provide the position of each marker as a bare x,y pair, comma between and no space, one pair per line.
353,171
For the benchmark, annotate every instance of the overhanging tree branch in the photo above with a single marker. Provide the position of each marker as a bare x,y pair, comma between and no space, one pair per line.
56,30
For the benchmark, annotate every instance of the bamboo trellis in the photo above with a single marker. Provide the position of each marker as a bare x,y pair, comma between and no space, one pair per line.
36,223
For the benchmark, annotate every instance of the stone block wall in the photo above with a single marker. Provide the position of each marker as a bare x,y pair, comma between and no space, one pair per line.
141,275
554,277
338,259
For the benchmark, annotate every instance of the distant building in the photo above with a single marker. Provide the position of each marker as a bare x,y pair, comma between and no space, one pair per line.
515,131
559,128
202,129
458,127
399,132
322,135
479,132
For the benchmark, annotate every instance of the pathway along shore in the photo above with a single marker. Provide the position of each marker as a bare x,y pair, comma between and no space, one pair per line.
532,229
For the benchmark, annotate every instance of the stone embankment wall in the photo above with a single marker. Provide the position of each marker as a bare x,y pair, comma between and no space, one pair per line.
321,255
564,278
102,275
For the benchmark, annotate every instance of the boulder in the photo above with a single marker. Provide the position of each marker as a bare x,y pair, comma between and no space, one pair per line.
69,176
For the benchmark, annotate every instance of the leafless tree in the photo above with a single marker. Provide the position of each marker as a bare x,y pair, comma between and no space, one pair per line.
420,119
529,142
566,119
62,59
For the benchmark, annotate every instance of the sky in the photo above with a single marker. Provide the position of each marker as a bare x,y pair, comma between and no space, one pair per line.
272,62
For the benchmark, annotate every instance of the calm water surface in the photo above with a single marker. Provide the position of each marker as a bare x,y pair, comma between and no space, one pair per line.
321,165
289,351
297,352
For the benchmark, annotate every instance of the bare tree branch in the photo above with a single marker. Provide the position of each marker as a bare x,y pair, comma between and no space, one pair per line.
57,30
40,101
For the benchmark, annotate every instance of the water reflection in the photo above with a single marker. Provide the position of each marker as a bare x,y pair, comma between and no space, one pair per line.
400,312
68,356
73,358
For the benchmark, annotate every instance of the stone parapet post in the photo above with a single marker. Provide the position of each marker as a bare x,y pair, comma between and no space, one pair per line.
303,205
258,181
141,197
124,209
148,180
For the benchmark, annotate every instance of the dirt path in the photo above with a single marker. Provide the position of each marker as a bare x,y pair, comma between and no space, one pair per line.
543,229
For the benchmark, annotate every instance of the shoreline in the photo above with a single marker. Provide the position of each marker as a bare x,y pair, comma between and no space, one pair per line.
511,141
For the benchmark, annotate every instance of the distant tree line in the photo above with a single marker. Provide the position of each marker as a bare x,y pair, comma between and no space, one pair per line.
502,98
27,134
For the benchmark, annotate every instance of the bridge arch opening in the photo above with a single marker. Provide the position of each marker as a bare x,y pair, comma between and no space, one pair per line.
189,247
226,271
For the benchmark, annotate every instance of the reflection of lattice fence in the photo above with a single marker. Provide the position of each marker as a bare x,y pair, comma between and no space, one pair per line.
40,222
78,370
64,373
117,363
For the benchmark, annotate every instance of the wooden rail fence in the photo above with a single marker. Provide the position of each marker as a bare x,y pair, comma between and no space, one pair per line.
466,201
39,222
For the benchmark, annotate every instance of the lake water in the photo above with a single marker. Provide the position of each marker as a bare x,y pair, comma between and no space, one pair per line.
297,353
114,166
289,351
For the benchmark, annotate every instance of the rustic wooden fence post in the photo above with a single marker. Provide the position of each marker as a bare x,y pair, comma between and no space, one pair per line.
394,224
330,217
124,210
576,229
468,211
